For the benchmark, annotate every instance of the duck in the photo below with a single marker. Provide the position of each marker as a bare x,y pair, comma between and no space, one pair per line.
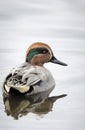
31,77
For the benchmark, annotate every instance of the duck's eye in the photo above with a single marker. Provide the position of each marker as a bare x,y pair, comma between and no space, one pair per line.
45,51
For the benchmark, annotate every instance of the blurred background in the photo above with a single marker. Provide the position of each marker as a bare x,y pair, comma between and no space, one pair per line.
61,24
24,21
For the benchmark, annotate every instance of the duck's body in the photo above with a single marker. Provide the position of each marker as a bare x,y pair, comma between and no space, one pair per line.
31,77
28,79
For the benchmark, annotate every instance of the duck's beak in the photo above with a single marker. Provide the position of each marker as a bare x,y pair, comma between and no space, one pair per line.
56,61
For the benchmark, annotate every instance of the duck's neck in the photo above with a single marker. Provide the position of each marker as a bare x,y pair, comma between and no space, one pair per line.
37,61
35,64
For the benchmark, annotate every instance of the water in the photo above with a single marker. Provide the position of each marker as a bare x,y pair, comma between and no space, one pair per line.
61,24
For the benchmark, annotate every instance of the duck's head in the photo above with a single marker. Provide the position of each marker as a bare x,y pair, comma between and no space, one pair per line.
39,53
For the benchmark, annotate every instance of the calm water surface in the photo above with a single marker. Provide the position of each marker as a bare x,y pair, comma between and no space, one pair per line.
61,24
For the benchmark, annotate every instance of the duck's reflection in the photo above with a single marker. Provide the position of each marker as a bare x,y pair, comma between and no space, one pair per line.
17,106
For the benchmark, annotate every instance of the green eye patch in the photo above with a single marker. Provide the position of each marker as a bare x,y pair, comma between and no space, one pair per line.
35,51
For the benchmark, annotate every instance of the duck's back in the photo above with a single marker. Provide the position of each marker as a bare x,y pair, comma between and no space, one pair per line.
29,80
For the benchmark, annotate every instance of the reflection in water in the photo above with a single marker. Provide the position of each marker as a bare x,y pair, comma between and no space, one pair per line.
18,106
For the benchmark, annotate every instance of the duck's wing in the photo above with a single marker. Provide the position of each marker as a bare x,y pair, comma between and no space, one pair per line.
23,77
34,75
26,74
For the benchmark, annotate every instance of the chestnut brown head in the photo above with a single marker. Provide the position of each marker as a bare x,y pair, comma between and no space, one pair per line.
39,53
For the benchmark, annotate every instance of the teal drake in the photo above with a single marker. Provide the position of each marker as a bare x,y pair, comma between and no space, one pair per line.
32,77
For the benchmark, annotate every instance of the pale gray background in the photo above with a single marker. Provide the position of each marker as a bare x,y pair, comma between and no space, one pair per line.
61,24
